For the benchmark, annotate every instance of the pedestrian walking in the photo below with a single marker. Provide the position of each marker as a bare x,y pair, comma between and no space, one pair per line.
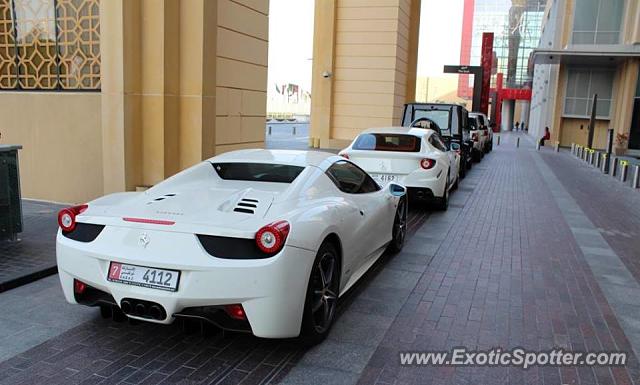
547,136
517,125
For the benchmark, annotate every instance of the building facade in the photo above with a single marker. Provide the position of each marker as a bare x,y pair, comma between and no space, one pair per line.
516,25
113,95
587,48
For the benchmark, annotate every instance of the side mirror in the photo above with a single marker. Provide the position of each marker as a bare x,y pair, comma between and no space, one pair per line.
454,146
397,190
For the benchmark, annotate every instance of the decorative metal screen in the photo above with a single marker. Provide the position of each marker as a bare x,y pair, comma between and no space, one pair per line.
50,44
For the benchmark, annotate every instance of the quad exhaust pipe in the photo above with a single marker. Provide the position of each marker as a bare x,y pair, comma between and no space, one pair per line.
143,309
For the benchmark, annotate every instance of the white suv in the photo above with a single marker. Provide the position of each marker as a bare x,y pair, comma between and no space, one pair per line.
478,137
487,132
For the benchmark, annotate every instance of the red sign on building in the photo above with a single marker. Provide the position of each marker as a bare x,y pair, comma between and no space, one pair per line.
486,62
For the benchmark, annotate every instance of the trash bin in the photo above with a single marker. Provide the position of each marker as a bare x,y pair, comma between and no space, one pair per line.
10,201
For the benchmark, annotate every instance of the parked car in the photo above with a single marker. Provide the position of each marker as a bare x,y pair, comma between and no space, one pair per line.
485,125
478,138
262,241
453,123
414,157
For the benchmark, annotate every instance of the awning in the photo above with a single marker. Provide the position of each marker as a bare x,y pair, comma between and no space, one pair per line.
598,55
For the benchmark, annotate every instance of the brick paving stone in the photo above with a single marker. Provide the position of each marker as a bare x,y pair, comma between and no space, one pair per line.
33,256
509,273
617,215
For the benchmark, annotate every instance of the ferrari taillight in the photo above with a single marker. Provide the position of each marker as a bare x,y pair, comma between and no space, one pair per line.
67,217
271,237
427,163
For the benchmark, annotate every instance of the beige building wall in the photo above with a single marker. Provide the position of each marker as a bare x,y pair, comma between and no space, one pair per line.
370,50
241,94
61,159
183,81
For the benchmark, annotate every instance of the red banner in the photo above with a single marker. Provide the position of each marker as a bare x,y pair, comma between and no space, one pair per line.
486,62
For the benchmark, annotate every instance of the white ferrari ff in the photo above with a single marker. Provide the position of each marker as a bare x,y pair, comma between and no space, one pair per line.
417,158
254,240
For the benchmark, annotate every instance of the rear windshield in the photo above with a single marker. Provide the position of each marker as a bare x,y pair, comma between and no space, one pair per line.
441,117
387,142
258,172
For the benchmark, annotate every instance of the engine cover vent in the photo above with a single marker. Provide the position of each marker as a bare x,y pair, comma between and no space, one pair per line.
246,205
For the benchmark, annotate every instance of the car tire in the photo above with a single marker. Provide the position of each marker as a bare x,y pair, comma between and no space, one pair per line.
462,171
443,202
399,230
321,296
469,162
476,156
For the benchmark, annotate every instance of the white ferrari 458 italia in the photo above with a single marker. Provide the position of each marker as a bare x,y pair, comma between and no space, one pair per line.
417,158
263,241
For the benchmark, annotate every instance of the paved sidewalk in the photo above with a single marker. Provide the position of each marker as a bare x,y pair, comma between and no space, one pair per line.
35,313
33,256
510,274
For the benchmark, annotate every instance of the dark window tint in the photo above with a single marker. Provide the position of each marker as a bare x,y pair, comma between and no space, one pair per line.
351,179
437,143
258,172
387,142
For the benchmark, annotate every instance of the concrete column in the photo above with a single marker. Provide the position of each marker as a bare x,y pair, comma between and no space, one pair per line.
508,107
371,53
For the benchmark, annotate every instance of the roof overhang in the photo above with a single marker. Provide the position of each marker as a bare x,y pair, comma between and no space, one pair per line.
592,55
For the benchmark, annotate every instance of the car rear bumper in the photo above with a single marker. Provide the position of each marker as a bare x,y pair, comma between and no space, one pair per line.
271,291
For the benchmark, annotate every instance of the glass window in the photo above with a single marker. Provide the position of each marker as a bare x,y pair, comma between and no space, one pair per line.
350,179
388,142
258,172
50,44
597,21
437,143
440,117
582,84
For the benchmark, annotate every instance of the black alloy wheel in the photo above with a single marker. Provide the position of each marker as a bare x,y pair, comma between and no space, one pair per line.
399,231
322,295
443,202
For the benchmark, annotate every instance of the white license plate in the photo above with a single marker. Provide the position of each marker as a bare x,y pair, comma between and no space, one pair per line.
385,177
143,276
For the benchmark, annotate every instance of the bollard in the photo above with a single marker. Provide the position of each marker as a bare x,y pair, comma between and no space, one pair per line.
613,166
573,148
538,146
269,130
593,157
294,130
589,156
597,164
557,146
624,166
579,152
604,164
498,141
518,142
636,176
